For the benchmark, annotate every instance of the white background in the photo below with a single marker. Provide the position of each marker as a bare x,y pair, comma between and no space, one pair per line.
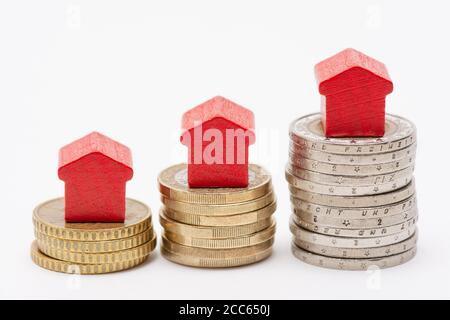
131,68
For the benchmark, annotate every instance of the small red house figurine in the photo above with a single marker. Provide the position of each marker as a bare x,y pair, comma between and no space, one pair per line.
218,133
95,170
353,88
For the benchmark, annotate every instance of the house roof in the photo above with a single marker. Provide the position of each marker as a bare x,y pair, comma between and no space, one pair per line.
219,107
95,143
347,59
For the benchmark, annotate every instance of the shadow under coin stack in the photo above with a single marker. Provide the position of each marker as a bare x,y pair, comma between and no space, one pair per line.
353,199
216,227
91,248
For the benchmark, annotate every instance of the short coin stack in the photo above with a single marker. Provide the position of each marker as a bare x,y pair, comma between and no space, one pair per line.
91,248
216,227
353,199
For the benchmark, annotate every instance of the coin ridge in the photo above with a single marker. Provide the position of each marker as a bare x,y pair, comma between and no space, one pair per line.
96,246
100,258
91,235
52,264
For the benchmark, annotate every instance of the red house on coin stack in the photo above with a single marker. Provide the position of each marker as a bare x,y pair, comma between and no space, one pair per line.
218,133
353,88
95,170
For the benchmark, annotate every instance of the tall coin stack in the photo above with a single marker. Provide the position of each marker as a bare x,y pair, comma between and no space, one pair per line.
353,199
216,227
91,248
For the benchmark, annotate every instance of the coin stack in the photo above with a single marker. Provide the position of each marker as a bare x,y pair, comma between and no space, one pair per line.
216,227
91,248
353,199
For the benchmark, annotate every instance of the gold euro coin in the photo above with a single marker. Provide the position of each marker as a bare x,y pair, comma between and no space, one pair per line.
226,243
213,232
95,246
215,263
48,218
173,184
52,264
229,220
216,253
215,258
98,258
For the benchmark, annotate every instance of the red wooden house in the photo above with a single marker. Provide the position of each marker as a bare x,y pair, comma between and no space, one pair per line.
218,133
95,170
353,88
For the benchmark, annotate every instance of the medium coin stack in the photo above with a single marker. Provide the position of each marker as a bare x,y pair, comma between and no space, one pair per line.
216,227
91,248
353,199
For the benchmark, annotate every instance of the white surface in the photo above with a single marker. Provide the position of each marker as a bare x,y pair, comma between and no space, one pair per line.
129,69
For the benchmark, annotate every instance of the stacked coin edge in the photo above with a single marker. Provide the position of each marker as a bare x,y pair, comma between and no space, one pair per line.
353,199
216,227
91,248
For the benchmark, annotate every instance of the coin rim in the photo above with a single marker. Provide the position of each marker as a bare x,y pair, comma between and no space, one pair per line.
337,143
348,181
205,263
55,265
78,246
341,242
357,253
222,221
351,169
353,159
216,254
345,233
228,196
347,190
214,232
226,243
410,254
92,235
76,257
338,223
221,209
356,212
